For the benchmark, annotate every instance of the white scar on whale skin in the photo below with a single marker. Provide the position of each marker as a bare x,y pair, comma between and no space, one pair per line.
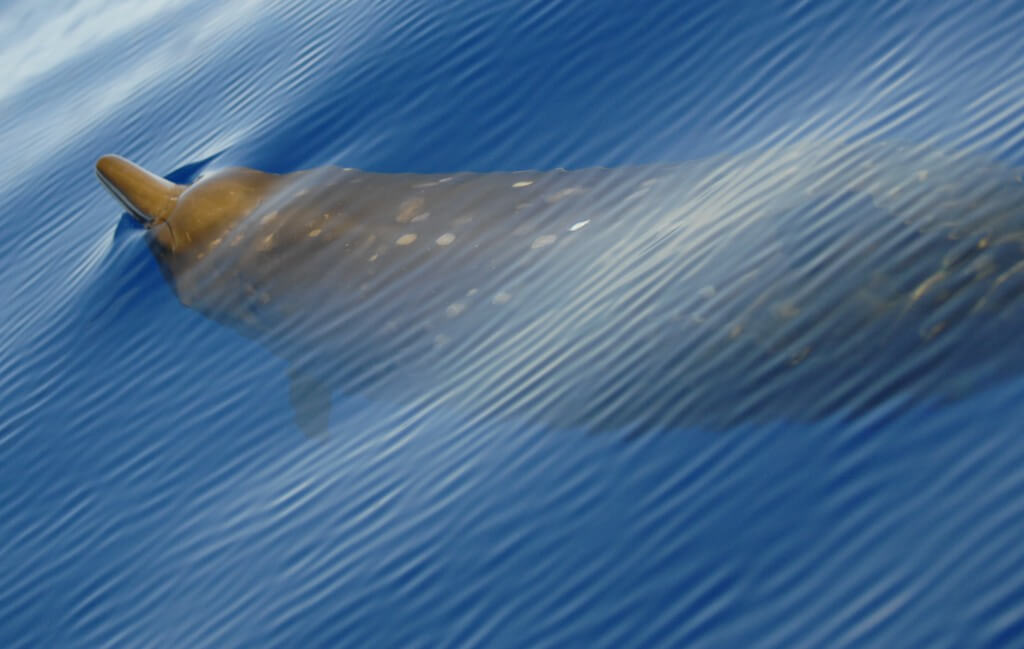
563,194
543,241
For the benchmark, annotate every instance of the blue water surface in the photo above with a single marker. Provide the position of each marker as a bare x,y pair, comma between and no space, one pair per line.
156,491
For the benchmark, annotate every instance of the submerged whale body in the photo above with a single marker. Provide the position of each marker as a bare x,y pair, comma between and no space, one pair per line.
801,283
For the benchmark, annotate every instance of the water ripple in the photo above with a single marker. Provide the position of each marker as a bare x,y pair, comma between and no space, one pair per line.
576,470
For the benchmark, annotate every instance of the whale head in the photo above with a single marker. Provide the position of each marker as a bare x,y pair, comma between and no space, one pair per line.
182,218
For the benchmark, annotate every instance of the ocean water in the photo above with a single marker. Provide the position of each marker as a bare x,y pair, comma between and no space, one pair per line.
156,490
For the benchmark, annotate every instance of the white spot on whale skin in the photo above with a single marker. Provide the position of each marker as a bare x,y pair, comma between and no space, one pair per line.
565,193
543,241
445,239
406,239
579,225
420,217
454,310
922,175
522,183
409,209
501,298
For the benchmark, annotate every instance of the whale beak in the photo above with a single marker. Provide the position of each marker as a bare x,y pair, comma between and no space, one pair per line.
147,197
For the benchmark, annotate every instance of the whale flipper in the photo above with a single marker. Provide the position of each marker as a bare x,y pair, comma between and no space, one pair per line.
311,402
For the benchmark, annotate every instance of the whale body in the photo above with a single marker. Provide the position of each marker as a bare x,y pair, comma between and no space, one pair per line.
798,283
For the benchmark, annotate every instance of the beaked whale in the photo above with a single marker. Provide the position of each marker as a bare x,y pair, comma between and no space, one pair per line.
795,283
